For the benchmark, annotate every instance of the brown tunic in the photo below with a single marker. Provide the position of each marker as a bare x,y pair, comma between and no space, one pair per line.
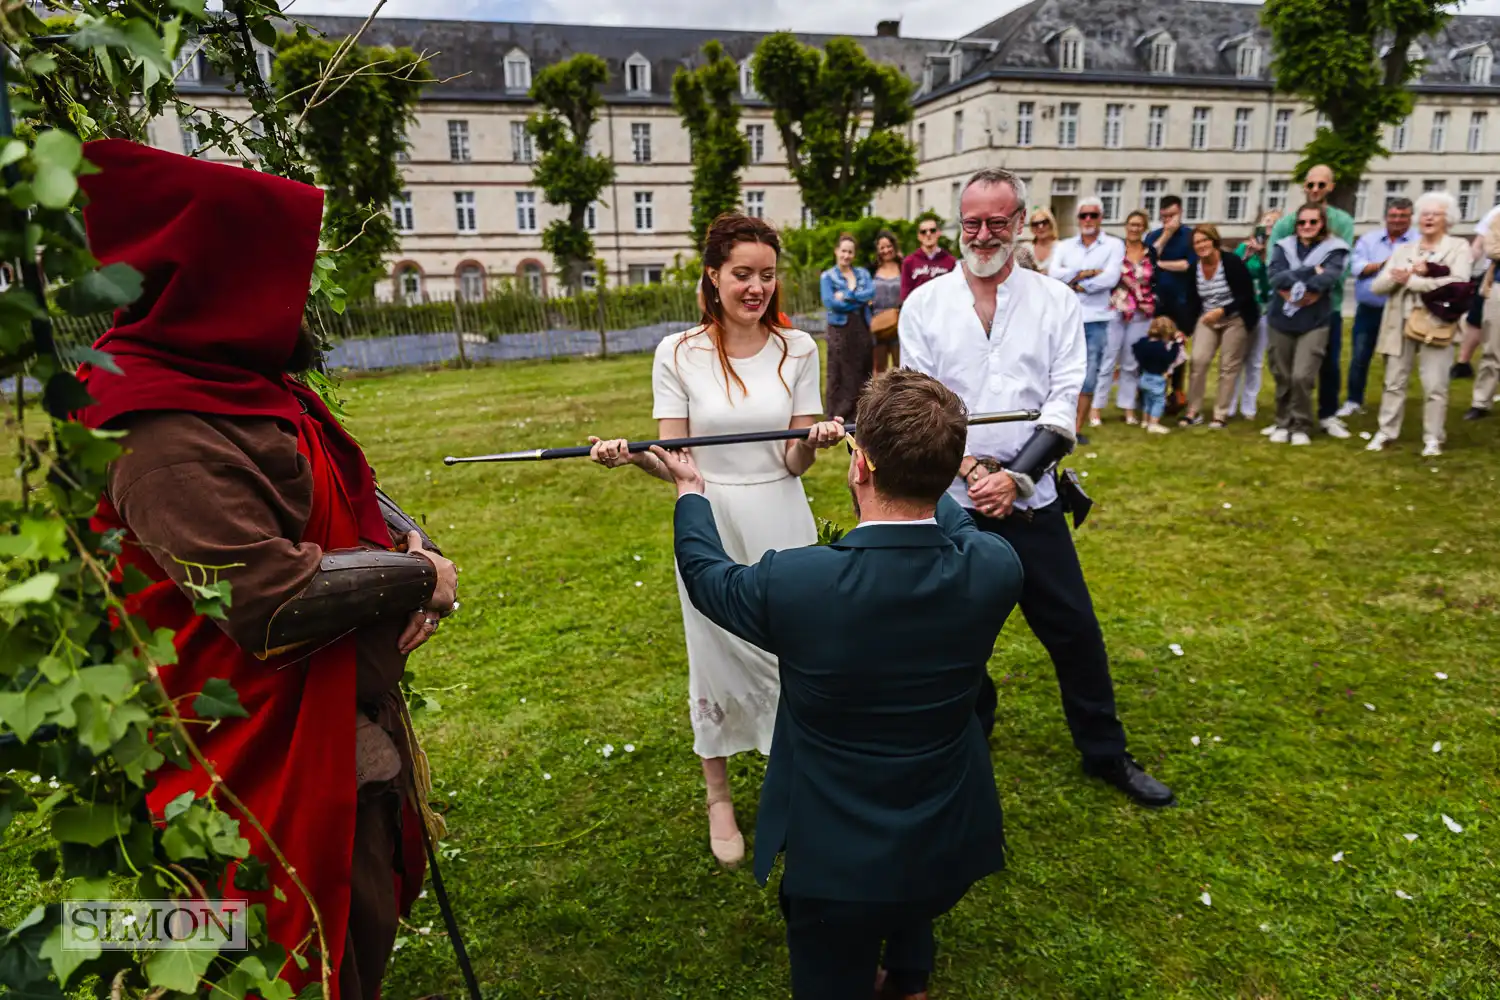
234,492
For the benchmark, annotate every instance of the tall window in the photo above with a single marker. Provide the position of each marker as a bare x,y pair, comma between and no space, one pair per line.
1156,127
958,131
1163,53
640,142
645,274
1321,121
747,82
1236,201
190,143
1468,200
1478,120
1242,120
1070,51
1067,125
1362,200
1281,132
1481,65
1195,202
265,61
1110,192
401,213
186,66
756,134
1400,135
1393,190
755,204
1198,136
471,283
1114,126
1439,137
517,72
526,212
1151,192
531,276
954,192
458,141
1434,184
638,74
463,207
1247,61
921,202
410,280
521,149
645,211
591,217
921,141
1025,115
1276,196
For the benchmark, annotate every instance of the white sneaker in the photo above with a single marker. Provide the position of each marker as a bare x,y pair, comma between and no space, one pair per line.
1157,429
1378,442
1432,449
1300,438
1096,421
1269,430
1334,427
1279,435
1131,421
1349,409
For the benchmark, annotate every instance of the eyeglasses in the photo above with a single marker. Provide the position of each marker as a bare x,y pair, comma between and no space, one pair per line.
927,232
1309,222
1089,215
853,446
1315,185
997,225
1039,223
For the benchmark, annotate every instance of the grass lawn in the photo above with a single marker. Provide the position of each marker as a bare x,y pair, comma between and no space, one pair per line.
1317,595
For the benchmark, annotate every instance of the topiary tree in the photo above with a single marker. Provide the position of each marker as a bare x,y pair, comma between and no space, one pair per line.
352,134
568,176
821,100
1349,60
704,98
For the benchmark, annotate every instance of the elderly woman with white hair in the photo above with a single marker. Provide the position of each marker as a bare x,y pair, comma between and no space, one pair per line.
1090,263
1411,334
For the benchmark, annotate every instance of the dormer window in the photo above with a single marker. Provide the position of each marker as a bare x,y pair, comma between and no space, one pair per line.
185,66
955,66
747,82
1414,57
1247,61
1070,51
1163,54
1481,65
517,72
265,60
637,75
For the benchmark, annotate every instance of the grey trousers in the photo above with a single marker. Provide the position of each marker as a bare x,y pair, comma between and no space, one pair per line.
1433,363
1488,377
1295,362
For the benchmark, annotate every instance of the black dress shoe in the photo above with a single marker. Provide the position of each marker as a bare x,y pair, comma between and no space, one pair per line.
1126,775
1082,439
1476,413
1461,369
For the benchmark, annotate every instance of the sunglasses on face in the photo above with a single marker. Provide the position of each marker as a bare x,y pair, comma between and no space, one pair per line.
926,232
1088,215
1315,185
1040,224
1309,222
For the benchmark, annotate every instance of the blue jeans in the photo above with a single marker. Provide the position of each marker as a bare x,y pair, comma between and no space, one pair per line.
1095,336
1329,375
1153,394
1362,349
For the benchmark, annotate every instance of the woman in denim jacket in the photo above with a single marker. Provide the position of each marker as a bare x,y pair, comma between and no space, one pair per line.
847,291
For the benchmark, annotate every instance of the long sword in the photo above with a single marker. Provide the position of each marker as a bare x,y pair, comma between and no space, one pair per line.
672,444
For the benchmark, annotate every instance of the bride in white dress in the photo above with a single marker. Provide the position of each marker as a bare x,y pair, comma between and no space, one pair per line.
738,371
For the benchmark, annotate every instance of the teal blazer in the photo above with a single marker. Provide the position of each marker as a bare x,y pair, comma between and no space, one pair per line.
880,786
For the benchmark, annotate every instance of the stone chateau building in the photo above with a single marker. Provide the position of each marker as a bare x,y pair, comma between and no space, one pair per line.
1126,100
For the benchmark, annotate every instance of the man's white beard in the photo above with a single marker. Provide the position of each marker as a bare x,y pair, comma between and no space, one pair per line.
981,268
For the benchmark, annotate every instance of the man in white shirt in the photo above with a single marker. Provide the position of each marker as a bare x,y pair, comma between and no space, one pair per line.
1089,263
1005,338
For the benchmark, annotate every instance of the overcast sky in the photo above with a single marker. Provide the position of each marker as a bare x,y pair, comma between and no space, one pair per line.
920,18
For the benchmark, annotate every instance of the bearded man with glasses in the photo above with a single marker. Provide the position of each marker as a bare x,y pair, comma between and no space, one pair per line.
1005,338
1318,186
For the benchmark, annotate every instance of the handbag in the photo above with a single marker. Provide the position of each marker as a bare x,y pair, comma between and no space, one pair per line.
883,323
1425,328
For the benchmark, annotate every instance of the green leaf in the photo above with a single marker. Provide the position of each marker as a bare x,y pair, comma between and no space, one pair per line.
252,875
37,590
195,8
30,920
94,824
80,355
54,186
219,700
56,148
106,289
66,959
12,151
135,756
184,839
41,63
24,711
178,968
136,38
110,681
277,989
263,31
178,806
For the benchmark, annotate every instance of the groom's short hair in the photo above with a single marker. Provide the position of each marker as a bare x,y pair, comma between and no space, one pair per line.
913,430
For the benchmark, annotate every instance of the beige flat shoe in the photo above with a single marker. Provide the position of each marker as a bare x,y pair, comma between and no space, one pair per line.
729,851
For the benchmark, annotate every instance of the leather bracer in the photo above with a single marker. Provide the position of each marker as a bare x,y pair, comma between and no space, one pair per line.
352,588
402,523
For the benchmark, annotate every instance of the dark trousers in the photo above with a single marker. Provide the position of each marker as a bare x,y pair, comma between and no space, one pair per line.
1331,376
851,362
835,946
1055,600
1362,340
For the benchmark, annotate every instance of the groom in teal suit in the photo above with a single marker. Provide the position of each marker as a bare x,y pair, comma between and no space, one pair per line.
880,791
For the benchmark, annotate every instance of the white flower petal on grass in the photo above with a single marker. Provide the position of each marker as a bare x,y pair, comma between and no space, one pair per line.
1451,824
1369,706
1409,837
1440,675
523,701
607,749
546,776
638,583
1206,899
1364,435
1267,927
1339,856
452,794
630,748
1092,454
1218,739
1196,741
1401,895
1409,507
1228,506
637,558
1434,468
1176,649
1437,747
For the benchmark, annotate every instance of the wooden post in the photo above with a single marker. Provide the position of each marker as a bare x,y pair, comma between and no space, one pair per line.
603,336
458,325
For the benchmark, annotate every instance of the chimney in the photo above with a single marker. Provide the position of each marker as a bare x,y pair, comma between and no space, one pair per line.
888,29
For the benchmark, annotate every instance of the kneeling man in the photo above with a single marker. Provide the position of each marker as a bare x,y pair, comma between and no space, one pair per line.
879,790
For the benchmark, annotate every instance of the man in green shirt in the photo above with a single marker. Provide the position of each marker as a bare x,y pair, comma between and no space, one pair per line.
1318,186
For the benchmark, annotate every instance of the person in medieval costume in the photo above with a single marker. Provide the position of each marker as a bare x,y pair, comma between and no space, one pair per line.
231,462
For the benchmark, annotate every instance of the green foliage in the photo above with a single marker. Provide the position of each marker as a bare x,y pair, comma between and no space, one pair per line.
704,98
1329,54
569,95
352,133
821,99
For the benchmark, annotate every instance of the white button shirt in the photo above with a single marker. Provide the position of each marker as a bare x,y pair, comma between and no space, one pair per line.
1105,255
1034,358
